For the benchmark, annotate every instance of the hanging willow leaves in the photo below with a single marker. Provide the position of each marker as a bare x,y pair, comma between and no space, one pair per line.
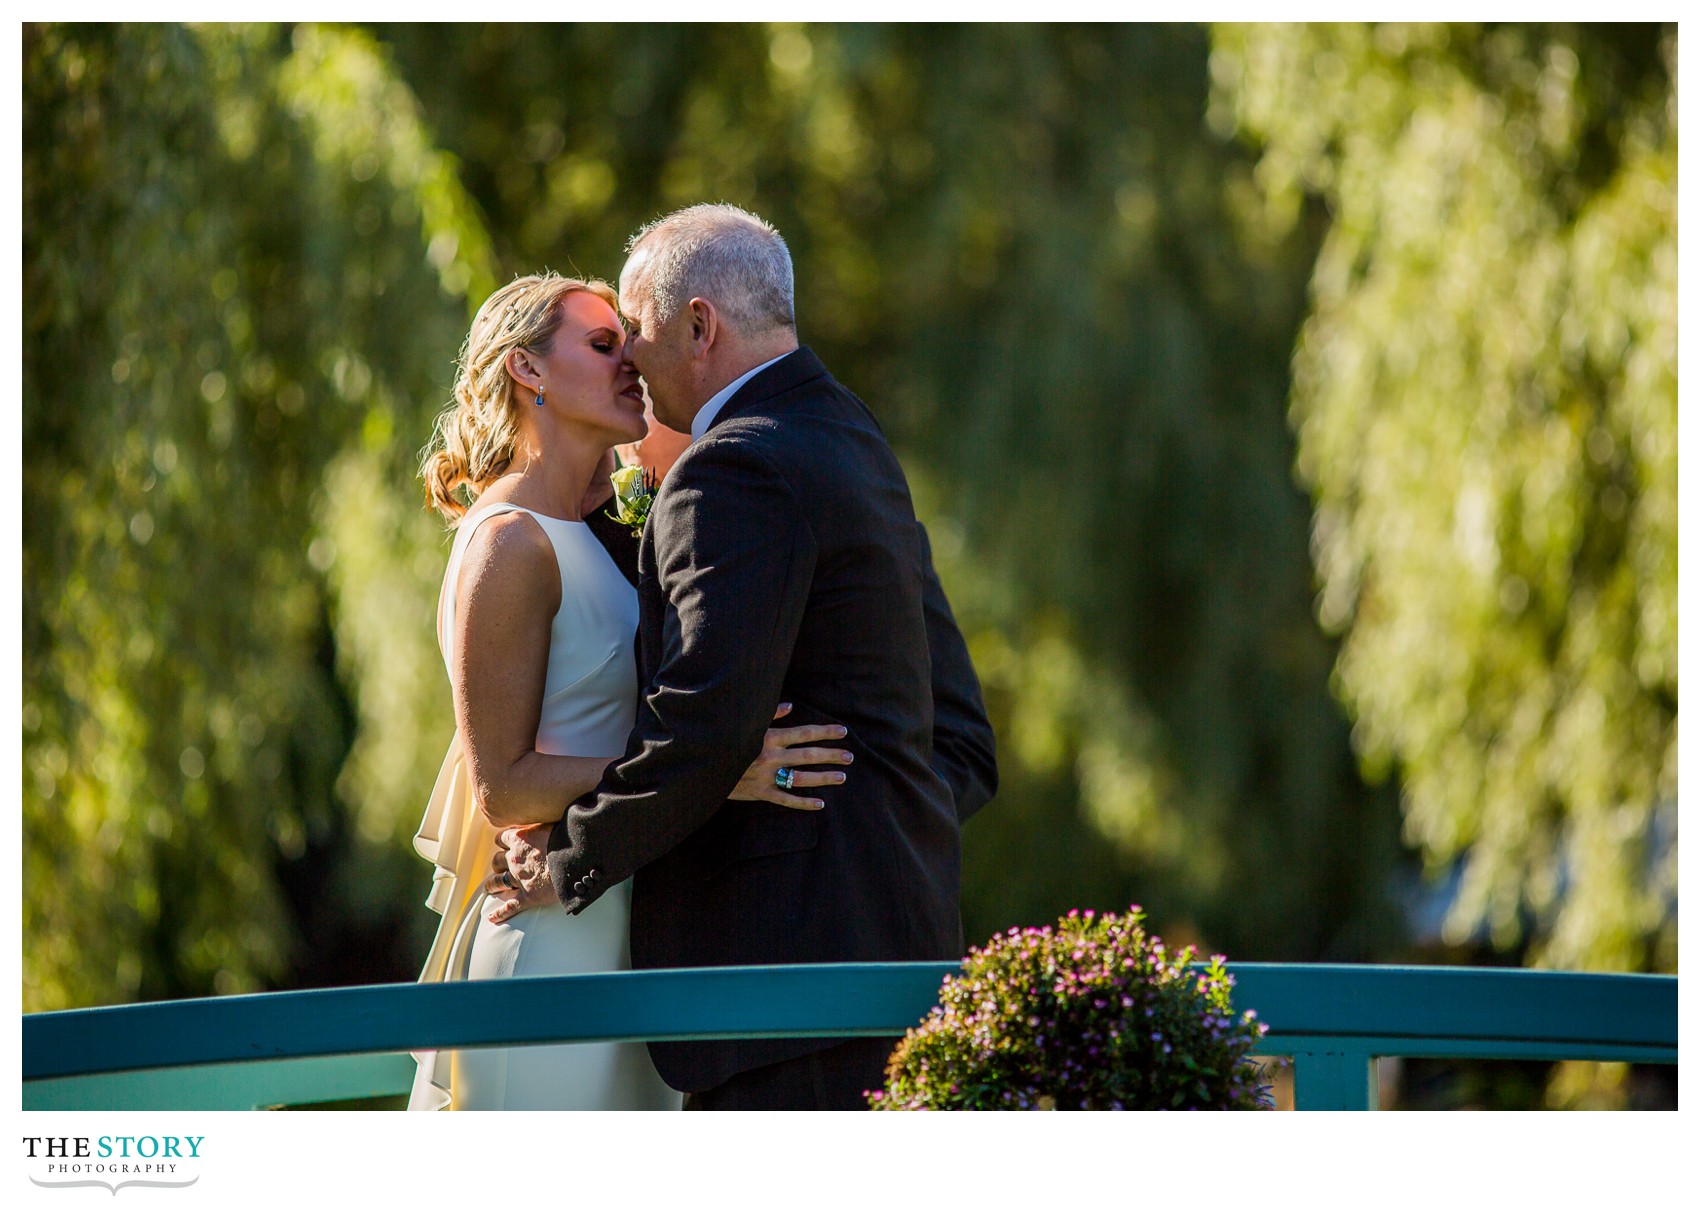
1025,249
226,291
250,255
1485,398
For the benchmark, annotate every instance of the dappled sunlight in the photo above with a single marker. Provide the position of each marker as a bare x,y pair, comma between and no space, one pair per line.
1485,396
1292,410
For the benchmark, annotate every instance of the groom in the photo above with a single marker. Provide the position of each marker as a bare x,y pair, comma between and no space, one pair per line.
782,561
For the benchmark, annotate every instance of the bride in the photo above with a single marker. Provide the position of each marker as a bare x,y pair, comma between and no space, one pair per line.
536,621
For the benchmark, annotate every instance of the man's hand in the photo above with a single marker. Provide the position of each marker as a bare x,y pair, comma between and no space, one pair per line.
519,879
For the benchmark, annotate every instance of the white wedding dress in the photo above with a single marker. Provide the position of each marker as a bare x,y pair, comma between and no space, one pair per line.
589,701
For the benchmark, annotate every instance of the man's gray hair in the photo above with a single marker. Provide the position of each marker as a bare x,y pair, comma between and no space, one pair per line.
718,252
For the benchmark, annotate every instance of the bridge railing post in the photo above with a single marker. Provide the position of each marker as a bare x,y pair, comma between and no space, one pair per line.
1335,1081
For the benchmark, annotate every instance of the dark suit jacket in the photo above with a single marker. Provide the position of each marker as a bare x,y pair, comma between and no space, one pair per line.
783,562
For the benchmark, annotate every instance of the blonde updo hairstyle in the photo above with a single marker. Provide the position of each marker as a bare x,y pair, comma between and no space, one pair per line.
473,440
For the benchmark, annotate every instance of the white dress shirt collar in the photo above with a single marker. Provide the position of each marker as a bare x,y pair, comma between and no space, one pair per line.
706,414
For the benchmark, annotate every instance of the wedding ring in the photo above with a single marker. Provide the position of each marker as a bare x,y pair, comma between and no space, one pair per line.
783,777
508,880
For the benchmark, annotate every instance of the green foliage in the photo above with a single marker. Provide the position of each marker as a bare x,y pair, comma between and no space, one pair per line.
220,305
256,250
1024,249
1485,398
250,255
1094,1015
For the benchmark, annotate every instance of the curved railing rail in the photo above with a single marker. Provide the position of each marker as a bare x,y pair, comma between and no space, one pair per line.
317,1045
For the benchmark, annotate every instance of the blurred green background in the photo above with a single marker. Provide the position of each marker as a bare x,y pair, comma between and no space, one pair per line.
1293,409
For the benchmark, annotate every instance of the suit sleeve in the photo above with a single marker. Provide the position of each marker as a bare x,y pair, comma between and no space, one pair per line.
735,560
964,752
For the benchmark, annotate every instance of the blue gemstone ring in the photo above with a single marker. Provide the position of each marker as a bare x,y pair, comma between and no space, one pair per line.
784,777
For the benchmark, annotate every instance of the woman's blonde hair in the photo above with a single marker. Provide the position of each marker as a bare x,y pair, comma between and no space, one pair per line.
473,440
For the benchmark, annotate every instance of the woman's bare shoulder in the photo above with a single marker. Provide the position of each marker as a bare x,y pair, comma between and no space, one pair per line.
509,556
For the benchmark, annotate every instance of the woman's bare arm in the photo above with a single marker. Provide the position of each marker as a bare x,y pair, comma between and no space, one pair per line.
507,596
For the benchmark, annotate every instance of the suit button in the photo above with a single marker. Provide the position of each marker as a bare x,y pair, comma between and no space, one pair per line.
594,877
579,887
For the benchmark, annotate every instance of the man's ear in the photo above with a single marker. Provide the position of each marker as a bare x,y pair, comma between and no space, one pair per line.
705,325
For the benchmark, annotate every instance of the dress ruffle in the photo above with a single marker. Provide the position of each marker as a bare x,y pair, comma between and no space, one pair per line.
459,842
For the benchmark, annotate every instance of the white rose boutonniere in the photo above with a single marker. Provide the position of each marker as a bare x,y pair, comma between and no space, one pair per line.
634,493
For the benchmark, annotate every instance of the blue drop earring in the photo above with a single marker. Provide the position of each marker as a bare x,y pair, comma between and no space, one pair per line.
540,397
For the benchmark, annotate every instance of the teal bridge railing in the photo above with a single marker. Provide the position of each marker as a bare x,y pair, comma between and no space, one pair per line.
325,1045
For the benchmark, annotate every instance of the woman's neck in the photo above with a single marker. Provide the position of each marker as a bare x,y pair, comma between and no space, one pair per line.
553,478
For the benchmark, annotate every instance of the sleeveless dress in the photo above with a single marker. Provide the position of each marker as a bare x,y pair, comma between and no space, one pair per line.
589,702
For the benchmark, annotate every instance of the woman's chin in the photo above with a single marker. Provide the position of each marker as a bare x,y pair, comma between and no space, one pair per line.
627,429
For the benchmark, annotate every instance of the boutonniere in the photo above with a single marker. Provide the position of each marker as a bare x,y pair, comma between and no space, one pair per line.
634,493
